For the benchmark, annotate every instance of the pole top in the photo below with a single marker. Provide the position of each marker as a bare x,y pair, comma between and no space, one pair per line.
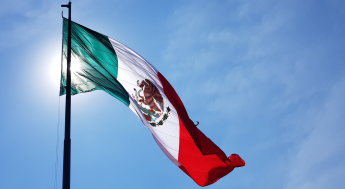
68,5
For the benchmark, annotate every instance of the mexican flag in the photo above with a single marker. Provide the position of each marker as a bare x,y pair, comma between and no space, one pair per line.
101,63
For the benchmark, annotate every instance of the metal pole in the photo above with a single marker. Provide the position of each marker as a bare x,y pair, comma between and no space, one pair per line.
66,177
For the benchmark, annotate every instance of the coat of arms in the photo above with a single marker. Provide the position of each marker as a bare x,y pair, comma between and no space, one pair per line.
151,104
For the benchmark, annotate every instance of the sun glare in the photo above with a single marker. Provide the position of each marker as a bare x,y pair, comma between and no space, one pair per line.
55,68
75,65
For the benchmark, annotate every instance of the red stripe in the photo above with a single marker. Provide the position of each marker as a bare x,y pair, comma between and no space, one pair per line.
201,159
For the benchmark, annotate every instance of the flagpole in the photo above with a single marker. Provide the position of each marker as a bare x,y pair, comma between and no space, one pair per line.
66,175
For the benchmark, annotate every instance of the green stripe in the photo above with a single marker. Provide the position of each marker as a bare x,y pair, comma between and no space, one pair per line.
98,63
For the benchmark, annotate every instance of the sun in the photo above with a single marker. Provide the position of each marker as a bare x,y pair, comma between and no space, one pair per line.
55,68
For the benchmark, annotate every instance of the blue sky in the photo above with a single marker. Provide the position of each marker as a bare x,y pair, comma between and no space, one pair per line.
265,79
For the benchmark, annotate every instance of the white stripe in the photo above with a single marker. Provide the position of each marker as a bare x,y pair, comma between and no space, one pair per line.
132,67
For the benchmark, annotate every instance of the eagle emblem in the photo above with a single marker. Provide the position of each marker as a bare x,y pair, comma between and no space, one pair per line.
151,104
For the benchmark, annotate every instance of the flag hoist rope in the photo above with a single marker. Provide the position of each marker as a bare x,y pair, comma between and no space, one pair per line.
66,175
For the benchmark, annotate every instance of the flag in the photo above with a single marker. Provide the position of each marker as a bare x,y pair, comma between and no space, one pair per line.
101,63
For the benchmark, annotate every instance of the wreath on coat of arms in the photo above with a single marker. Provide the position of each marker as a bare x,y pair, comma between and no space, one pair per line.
151,104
